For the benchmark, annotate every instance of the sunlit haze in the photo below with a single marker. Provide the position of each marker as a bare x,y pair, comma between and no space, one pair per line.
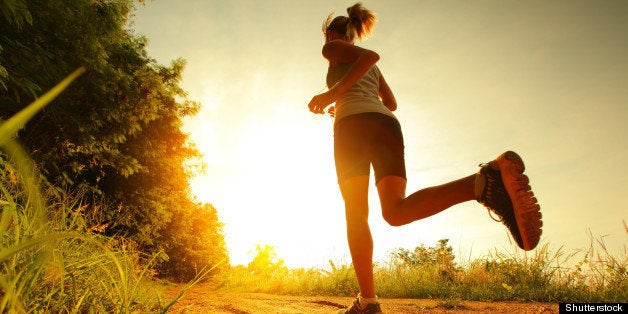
548,79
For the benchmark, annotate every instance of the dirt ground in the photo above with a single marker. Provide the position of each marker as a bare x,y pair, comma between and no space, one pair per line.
202,299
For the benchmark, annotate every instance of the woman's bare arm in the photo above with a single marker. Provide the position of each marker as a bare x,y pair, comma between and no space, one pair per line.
386,94
336,52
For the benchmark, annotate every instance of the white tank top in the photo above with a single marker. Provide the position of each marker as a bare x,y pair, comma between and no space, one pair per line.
361,97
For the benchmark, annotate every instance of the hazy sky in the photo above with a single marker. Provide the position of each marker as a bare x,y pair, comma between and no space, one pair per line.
548,79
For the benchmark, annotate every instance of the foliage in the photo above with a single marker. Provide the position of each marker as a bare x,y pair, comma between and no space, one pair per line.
194,235
265,261
267,273
440,256
543,276
116,133
262,274
56,265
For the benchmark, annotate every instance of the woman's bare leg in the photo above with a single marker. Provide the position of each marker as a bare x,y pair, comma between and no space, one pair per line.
400,210
397,210
355,194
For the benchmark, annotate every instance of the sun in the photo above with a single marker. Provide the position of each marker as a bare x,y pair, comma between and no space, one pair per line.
276,186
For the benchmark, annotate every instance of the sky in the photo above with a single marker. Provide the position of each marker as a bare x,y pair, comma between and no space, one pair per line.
547,79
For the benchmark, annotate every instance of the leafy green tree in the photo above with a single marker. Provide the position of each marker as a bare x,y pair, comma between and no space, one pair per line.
116,131
14,13
194,242
80,133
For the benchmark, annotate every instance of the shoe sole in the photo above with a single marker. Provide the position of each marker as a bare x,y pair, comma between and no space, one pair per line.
527,210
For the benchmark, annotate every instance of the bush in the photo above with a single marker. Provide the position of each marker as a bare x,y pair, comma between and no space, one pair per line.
430,272
50,259
58,263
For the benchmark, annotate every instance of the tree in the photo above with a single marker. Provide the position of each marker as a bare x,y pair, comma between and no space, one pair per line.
117,130
194,242
16,14
266,260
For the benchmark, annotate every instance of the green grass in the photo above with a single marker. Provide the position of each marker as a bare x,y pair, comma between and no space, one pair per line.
54,263
588,275
50,260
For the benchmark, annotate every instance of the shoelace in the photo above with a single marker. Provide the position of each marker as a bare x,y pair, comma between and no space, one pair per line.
490,180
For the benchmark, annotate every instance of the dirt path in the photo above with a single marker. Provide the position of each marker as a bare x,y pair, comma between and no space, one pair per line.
201,299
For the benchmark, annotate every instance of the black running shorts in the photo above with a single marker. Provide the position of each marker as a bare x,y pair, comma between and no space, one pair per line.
368,138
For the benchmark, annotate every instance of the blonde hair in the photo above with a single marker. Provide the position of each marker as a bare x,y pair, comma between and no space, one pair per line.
358,25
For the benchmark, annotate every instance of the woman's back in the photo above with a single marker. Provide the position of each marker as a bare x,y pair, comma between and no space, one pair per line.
362,97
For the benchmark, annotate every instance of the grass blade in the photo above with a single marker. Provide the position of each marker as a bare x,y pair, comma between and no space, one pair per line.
6,253
15,123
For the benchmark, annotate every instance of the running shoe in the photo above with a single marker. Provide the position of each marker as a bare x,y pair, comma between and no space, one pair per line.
502,187
371,308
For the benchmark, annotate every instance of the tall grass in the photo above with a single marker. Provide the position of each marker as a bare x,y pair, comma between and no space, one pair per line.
55,262
588,275
50,259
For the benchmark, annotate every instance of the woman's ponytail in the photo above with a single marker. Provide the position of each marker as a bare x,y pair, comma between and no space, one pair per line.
359,24
361,21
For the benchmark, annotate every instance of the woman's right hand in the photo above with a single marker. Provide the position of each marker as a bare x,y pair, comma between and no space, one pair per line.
319,102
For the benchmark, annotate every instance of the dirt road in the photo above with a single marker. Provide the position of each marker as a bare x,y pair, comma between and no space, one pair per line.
202,299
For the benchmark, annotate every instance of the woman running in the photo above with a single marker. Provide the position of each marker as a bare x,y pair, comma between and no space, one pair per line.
366,132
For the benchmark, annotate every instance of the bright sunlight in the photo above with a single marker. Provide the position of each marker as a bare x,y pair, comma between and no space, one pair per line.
275,184
269,167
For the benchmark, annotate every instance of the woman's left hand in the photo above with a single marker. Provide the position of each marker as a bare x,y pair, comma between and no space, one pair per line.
320,102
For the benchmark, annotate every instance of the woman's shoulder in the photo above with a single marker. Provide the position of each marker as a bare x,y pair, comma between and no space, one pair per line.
336,43
340,51
333,48
340,65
